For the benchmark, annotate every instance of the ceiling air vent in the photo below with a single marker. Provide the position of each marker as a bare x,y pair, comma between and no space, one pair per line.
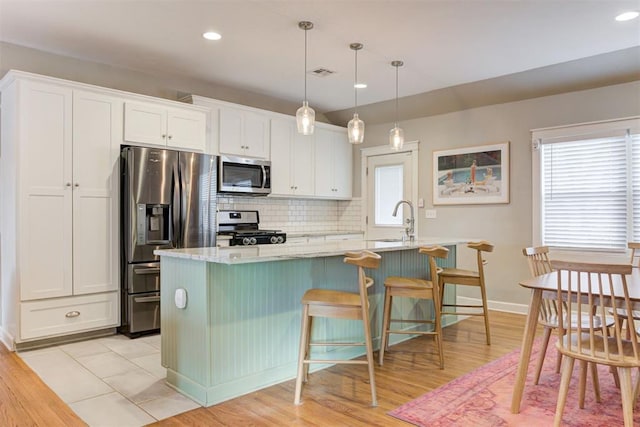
321,72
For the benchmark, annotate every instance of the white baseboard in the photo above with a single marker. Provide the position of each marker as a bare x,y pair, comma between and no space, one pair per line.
508,307
7,340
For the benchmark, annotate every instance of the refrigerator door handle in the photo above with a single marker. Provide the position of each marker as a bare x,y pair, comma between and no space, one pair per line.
177,206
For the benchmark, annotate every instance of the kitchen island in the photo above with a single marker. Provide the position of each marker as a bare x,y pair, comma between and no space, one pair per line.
230,317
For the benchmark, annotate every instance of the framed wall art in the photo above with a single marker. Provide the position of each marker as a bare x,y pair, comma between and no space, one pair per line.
471,175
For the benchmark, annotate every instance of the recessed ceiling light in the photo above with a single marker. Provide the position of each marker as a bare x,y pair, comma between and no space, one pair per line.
627,16
360,85
210,35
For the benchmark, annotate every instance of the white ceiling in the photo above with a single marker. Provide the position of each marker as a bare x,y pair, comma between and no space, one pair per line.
442,43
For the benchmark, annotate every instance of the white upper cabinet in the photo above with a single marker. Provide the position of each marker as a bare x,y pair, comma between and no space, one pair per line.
292,165
333,164
243,133
173,127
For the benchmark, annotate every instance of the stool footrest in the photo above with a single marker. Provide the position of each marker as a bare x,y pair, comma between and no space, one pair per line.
337,344
412,332
463,305
431,322
344,361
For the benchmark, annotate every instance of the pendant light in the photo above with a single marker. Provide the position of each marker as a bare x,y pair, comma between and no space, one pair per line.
305,116
396,135
355,128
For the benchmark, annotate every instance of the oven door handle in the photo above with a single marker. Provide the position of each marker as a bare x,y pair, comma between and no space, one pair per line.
148,270
147,299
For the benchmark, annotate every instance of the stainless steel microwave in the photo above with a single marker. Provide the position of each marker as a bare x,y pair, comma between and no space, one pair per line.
244,176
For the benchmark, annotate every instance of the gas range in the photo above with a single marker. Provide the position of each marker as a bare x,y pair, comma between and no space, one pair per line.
242,227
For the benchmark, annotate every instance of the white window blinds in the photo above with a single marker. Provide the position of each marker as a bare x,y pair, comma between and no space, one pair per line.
585,194
588,180
635,187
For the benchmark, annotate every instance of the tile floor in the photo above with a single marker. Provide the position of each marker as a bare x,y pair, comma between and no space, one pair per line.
111,381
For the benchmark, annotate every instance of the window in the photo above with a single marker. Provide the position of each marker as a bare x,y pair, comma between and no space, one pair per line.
389,189
587,185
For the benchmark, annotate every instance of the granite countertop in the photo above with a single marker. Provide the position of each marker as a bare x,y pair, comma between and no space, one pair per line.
321,233
265,253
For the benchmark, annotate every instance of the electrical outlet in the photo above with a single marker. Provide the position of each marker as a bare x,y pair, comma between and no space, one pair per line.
430,213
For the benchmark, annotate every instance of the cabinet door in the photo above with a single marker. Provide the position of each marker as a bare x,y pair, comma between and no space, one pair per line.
333,164
45,220
243,133
186,130
96,124
255,135
281,166
323,163
230,128
145,123
302,163
342,166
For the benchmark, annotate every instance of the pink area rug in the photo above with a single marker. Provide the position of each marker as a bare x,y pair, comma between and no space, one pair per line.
483,398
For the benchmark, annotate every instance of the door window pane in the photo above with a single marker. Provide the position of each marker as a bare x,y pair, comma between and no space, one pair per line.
388,191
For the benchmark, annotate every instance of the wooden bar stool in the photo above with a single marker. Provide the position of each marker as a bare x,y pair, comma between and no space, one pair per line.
455,276
395,286
341,305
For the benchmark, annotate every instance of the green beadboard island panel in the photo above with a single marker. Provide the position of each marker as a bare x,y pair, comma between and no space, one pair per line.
240,329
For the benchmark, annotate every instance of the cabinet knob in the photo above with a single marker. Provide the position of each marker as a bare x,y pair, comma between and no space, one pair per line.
68,184
76,185
164,136
170,136
73,313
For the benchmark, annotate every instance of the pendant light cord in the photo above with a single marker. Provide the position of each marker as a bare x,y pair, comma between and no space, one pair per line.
397,95
305,64
355,82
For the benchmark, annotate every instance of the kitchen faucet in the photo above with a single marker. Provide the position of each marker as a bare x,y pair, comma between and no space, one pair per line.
409,230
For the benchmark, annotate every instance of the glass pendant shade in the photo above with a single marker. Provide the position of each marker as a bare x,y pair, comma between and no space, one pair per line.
355,130
306,119
396,138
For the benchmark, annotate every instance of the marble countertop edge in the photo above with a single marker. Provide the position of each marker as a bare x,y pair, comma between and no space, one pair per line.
267,253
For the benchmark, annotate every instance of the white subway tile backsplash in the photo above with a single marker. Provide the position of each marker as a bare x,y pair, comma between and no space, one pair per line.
299,215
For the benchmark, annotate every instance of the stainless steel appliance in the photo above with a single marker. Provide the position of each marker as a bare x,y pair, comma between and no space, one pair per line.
168,200
243,228
244,176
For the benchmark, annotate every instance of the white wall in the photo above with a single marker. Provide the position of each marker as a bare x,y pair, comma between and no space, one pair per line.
508,226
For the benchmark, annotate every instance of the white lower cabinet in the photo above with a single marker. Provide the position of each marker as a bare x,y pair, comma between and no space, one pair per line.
47,318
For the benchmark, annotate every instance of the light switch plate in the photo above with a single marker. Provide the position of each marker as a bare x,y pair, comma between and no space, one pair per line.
430,213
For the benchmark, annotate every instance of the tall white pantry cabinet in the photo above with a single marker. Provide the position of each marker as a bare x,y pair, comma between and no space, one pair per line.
59,166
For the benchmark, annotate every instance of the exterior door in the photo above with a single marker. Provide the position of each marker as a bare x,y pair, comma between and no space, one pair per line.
389,180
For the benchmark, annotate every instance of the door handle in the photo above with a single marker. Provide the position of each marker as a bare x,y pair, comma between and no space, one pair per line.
147,299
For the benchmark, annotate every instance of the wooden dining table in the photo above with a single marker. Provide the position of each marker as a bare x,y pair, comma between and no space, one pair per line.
547,285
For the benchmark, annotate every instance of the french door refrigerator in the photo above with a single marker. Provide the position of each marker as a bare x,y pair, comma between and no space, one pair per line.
168,200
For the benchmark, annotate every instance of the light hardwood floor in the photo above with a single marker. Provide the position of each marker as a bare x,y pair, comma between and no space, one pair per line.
337,396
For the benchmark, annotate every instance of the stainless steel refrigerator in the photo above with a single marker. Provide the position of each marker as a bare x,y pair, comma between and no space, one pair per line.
168,200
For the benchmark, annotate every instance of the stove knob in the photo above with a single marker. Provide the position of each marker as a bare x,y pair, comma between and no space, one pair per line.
246,241
280,239
274,239
252,241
